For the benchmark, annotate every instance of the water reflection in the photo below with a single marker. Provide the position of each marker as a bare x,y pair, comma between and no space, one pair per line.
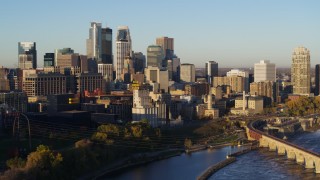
186,166
260,164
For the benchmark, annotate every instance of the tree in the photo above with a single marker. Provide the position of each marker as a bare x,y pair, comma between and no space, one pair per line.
43,162
16,162
188,143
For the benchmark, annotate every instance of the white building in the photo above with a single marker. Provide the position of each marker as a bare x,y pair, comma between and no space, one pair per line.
264,71
237,72
187,72
124,48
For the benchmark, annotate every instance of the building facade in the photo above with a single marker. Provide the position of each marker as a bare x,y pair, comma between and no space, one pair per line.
99,44
124,47
44,84
187,72
155,56
211,69
300,71
48,60
27,55
156,75
167,45
264,71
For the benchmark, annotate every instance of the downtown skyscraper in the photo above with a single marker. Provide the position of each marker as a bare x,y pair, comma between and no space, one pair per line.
27,54
211,69
300,71
99,44
124,48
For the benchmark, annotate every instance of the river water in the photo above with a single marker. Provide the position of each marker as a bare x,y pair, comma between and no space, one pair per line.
259,164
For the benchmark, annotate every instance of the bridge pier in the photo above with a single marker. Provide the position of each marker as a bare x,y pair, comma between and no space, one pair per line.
291,155
299,159
272,147
309,164
263,143
281,150
317,166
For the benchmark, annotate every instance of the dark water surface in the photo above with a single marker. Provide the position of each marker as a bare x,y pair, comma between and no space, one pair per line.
260,164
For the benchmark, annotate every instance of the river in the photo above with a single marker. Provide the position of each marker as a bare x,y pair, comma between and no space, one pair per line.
259,164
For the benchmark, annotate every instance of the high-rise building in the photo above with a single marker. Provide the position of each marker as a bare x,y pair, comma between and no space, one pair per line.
123,45
99,44
300,71
27,54
156,75
155,56
317,80
64,51
167,45
211,70
66,58
139,62
264,71
48,60
128,69
187,72
239,73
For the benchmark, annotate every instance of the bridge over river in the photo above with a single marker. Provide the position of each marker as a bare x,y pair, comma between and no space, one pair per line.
292,151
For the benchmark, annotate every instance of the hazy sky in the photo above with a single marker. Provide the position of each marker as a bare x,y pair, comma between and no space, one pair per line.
235,33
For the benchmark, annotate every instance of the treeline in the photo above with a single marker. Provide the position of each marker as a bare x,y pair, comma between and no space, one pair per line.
107,145
303,106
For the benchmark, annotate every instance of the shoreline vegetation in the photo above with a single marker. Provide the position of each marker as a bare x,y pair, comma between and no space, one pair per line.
112,147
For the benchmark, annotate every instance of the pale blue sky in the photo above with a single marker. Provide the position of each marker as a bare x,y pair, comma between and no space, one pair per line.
235,33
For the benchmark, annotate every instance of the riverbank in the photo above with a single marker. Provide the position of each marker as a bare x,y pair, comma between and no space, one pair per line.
133,161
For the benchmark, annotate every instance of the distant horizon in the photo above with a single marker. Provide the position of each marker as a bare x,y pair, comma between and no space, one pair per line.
228,32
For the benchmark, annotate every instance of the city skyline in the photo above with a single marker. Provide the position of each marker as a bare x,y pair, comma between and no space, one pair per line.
237,33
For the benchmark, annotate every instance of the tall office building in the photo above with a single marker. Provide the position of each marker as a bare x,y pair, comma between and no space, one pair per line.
155,56
123,45
99,44
27,54
211,70
187,72
48,60
156,75
317,80
167,45
139,62
300,71
264,71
